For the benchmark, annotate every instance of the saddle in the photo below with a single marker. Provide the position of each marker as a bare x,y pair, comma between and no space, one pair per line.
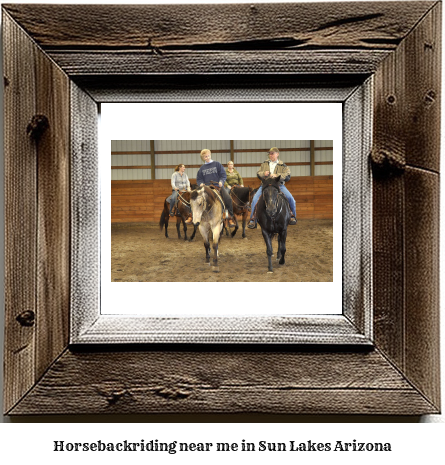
217,190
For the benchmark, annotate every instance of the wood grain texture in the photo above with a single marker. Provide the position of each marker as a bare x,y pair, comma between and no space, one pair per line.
158,27
53,230
20,204
140,201
221,382
123,63
38,191
423,92
406,133
422,281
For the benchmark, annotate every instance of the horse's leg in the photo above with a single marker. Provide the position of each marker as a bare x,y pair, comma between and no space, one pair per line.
216,230
279,246
164,219
226,227
194,232
184,227
236,226
178,226
166,226
205,235
268,240
282,244
244,223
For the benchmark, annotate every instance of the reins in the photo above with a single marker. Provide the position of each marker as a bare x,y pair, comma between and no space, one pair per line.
187,204
243,204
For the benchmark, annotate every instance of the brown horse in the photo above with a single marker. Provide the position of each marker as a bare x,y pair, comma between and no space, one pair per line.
207,214
241,200
183,212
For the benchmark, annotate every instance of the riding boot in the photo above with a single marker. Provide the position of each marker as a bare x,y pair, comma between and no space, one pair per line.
172,210
292,219
232,222
252,222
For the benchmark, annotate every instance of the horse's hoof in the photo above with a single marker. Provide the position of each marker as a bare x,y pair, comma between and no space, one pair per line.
281,262
215,269
270,272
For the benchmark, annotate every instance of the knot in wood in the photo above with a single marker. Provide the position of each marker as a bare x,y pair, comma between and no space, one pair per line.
430,97
37,126
387,163
173,393
26,318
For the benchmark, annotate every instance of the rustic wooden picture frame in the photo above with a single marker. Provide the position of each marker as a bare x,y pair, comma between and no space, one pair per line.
76,56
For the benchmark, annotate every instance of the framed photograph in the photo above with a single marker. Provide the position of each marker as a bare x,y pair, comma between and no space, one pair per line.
372,347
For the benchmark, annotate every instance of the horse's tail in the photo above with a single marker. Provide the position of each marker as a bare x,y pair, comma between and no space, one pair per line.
162,220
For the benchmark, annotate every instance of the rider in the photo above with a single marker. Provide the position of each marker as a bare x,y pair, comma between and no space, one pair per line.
274,168
214,171
233,177
180,181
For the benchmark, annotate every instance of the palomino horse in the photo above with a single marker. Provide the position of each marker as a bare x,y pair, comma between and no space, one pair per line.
273,216
184,211
207,214
241,199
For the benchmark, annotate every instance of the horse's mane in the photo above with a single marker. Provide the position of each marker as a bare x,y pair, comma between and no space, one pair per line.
194,195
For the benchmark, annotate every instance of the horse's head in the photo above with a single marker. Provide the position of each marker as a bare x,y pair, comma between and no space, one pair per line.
198,204
271,189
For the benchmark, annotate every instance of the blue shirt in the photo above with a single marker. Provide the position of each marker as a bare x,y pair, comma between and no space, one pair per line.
213,171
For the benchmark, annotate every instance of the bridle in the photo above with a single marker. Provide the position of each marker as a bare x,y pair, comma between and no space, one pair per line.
276,202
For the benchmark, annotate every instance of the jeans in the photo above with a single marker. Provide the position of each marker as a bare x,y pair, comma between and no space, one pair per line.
284,190
173,199
227,199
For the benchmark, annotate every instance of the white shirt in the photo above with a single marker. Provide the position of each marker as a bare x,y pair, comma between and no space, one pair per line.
272,166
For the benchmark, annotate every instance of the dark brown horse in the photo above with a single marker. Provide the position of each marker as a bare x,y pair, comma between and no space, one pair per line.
241,200
183,213
273,215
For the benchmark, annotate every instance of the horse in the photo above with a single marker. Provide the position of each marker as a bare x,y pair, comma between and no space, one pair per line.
207,213
273,216
183,208
241,199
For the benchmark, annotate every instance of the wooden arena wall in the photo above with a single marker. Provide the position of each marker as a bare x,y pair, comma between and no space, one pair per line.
143,200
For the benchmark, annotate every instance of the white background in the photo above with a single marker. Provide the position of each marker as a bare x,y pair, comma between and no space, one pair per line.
221,121
412,443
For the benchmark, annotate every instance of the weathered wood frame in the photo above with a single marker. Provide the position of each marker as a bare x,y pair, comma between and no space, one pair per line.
78,56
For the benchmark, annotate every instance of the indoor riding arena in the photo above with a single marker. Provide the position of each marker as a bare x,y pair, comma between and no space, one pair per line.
141,181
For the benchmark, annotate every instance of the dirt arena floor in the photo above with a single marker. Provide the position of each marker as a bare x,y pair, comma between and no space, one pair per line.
141,253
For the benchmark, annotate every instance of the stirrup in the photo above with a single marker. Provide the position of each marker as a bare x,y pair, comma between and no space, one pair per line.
292,220
252,224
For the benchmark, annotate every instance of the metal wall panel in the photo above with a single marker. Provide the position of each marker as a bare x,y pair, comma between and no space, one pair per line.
192,149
